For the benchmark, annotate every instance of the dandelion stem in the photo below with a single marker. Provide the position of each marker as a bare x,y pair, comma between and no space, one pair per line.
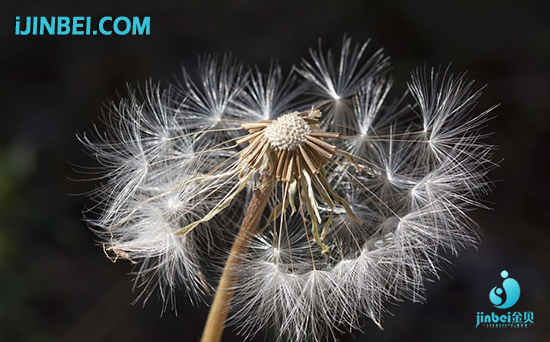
215,323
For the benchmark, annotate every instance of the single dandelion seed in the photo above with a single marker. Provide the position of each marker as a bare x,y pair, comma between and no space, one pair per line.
335,201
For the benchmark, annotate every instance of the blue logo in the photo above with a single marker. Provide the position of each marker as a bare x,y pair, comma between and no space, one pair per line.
503,298
510,289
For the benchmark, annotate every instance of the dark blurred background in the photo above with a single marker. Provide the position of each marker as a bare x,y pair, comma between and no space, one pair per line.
57,285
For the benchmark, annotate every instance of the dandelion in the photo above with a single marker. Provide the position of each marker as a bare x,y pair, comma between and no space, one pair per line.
334,201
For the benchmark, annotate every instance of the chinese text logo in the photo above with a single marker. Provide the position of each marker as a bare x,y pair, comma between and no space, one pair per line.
504,298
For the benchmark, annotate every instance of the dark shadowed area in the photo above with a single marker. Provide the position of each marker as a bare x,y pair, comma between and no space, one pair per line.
57,285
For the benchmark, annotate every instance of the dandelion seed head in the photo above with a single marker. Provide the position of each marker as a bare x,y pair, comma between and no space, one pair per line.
365,192
288,132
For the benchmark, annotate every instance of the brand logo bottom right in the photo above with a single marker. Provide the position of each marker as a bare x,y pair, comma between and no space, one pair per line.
504,298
